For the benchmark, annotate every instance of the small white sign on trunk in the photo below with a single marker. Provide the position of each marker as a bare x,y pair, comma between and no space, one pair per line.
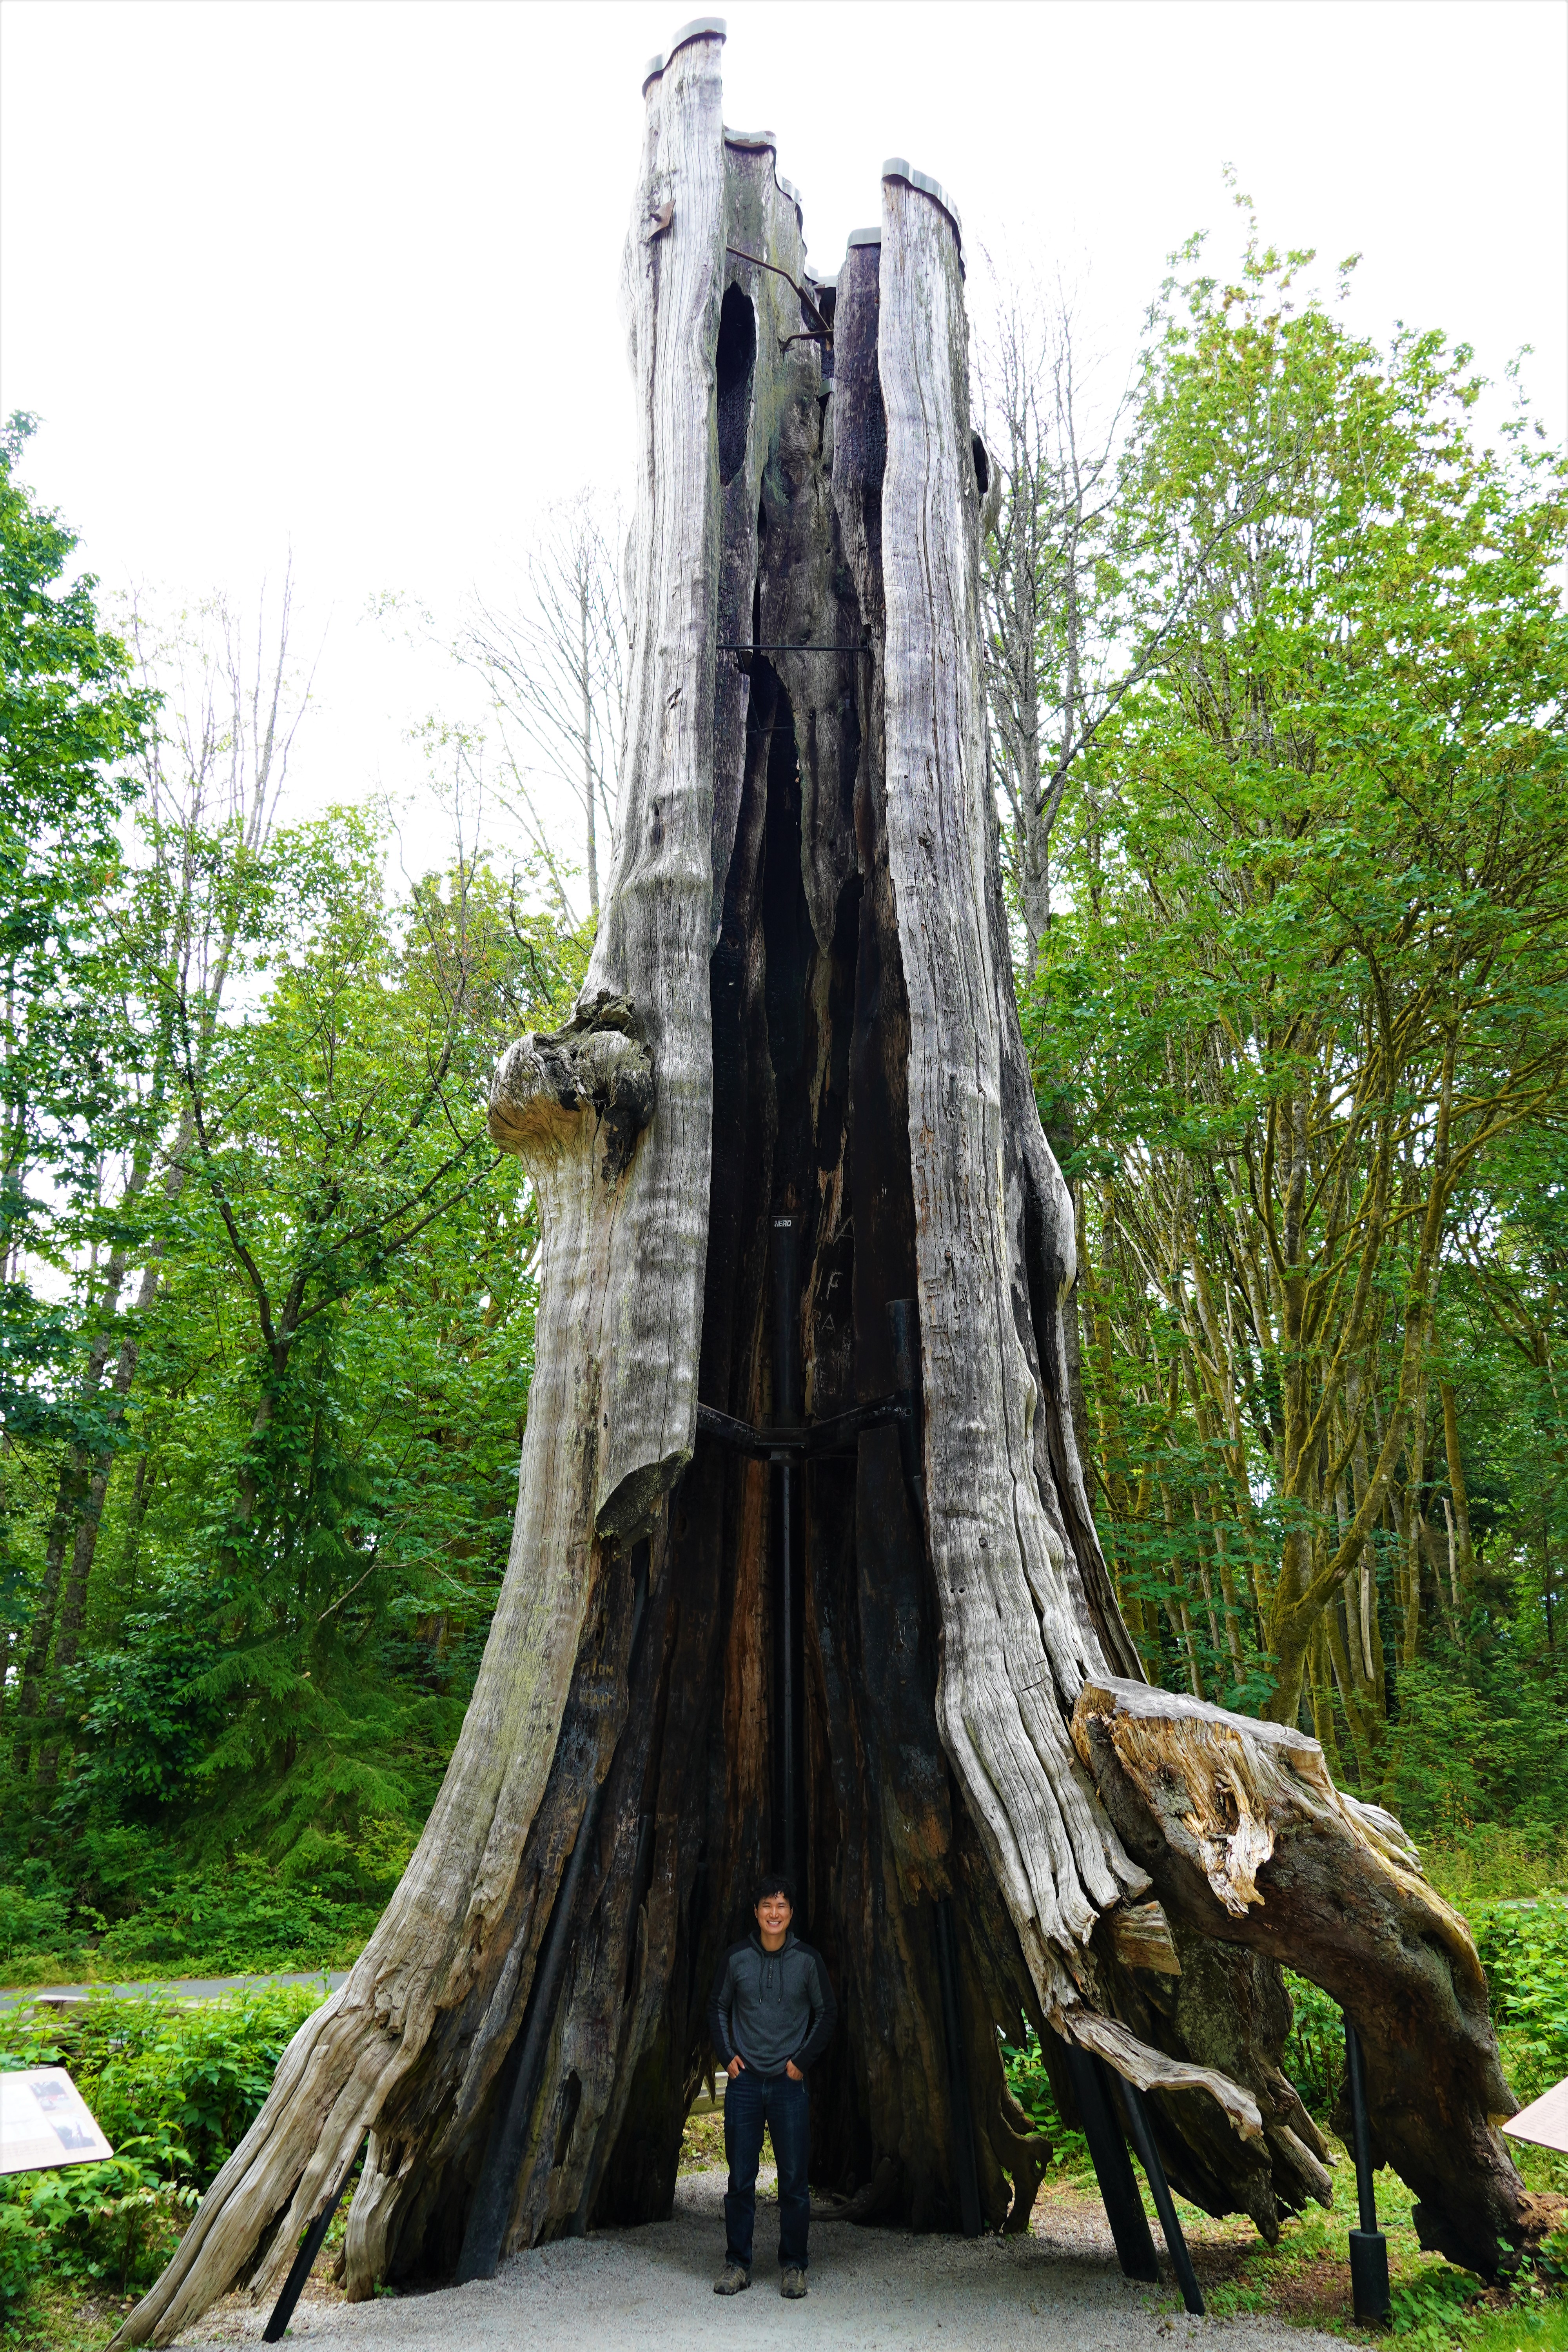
46,2122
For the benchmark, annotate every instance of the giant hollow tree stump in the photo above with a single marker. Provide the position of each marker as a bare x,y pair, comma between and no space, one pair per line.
804,1570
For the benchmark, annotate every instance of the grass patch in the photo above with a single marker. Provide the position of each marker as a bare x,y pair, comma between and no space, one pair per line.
702,2141
1305,2278
1493,1865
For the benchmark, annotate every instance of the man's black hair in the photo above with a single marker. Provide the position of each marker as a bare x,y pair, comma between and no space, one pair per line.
773,1882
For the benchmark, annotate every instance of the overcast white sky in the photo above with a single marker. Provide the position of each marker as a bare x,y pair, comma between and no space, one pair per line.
339,275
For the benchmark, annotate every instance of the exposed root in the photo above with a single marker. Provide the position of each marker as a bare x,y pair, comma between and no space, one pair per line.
1151,2069
1248,1842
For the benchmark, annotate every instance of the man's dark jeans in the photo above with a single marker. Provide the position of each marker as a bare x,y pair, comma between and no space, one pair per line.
750,2102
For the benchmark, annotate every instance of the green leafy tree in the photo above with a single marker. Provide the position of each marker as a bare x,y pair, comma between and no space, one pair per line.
301,1571
72,721
206,779
1316,966
69,721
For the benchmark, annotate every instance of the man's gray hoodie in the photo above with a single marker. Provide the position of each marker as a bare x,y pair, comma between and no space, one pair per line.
770,2007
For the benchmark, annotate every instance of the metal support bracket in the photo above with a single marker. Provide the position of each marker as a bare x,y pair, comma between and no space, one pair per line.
1118,2183
1112,2166
1149,2157
812,1439
304,2260
821,332
1369,2247
743,653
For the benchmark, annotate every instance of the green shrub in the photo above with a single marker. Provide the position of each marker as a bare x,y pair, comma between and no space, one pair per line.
1524,1951
111,2225
1491,1863
1314,2058
243,1914
204,2076
182,2079
34,1916
1523,1948
21,2253
1024,2067
246,1917
243,1919
1430,2310
174,2086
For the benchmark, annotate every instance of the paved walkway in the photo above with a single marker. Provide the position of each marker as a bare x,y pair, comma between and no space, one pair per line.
179,1988
1056,2290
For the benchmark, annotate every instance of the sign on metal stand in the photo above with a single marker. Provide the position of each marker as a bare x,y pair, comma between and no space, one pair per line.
45,2123
1544,2121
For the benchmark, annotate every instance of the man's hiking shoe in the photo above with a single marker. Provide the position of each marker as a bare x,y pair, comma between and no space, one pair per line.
735,2281
793,2285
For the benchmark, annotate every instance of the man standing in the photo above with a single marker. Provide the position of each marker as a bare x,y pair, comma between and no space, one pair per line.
772,2012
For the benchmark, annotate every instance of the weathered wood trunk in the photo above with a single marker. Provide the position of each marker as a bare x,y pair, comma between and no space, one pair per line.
794,1097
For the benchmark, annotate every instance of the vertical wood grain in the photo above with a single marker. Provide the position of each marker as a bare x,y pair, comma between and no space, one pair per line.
1014,1650
653,941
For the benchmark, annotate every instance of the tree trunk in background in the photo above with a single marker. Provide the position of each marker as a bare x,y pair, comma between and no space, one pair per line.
799,1026
74,1496
1463,1542
90,1508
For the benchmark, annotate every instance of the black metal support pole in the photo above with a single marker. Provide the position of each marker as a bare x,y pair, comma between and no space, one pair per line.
903,1323
304,2260
970,2217
1149,2157
1369,2247
1112,2166
1361,2132
786,1413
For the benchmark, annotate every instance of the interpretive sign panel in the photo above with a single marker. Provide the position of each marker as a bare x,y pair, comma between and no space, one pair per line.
45,2122
1545,2120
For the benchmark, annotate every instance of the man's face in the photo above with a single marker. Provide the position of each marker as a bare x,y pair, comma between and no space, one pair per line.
774,1913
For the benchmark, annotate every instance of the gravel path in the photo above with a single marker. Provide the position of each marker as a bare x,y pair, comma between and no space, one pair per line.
166,1988
1058,2290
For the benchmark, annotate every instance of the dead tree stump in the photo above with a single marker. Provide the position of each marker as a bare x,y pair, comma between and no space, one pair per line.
792,1181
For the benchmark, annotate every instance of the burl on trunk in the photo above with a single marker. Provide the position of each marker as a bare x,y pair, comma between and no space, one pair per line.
803,1568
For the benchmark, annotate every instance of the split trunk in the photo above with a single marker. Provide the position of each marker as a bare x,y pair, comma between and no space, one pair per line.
803,1570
